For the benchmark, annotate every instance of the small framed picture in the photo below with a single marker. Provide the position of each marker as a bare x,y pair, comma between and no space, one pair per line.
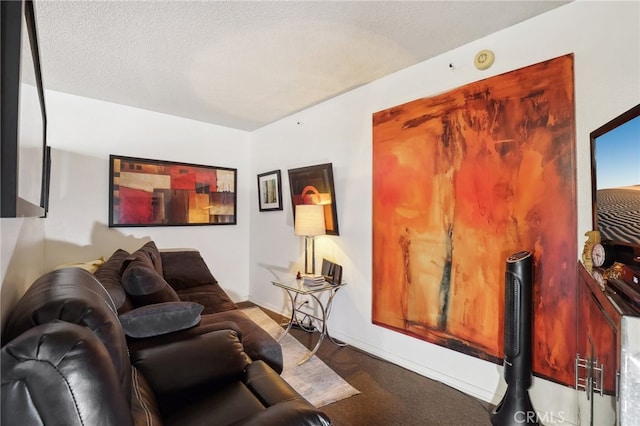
314,185
270,191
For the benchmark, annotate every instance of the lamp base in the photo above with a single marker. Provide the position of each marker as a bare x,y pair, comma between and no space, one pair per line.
308,240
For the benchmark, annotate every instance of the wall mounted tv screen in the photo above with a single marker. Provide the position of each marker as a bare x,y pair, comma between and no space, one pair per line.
615,162
24,154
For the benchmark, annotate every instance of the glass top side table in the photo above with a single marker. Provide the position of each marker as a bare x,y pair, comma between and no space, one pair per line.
297,288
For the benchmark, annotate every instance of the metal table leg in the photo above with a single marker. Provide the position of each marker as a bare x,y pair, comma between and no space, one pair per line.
293,314
315,322
324,330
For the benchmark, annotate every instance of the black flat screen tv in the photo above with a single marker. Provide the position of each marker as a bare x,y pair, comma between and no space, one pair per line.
24,157
615,169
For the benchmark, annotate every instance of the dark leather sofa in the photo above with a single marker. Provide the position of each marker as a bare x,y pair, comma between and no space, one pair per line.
180,276
66,361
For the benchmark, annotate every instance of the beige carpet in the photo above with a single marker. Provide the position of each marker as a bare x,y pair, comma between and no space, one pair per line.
319,384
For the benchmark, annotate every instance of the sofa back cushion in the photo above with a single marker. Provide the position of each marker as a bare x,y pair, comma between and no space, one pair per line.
75,296
185,268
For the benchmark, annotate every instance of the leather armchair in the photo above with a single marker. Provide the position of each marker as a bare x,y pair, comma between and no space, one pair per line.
67,363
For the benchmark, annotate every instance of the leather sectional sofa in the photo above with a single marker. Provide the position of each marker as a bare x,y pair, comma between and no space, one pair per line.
71,356
149,277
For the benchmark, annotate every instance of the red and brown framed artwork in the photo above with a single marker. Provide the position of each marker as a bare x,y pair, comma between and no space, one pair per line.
144,192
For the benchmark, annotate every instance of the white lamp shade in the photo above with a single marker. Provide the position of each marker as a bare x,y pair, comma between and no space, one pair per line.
309,220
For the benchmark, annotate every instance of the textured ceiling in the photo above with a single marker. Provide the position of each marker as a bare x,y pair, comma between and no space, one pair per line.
245,64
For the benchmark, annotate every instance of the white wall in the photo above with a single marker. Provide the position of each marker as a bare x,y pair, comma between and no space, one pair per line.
21,259
84,132
605,38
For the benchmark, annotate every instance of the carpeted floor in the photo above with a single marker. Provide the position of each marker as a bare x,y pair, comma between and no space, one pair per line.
391,395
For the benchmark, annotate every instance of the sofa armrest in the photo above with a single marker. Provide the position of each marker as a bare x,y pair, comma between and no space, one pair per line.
60,373
217,356
283,404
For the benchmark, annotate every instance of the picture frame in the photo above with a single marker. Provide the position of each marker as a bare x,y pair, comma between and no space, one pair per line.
270,191
332,272
314,185
145,192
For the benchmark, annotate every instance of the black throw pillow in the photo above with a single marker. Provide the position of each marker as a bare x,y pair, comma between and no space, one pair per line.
151,250
145,286
160,318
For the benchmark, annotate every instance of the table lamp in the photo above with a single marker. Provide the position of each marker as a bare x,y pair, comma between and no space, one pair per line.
309,222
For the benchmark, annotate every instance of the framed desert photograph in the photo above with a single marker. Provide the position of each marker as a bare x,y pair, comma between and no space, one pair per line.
270,191
314,185
145,192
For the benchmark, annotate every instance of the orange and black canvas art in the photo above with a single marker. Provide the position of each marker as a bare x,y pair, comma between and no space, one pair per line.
461,181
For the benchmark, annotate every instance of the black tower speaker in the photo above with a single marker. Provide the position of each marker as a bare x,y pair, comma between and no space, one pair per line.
516,408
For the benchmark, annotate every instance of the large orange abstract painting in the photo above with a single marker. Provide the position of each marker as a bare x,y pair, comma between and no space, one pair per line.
461,181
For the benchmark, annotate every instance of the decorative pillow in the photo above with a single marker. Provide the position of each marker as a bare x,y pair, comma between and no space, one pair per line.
110,275
145,286
152,251
160,318
138,256
90,266
184,269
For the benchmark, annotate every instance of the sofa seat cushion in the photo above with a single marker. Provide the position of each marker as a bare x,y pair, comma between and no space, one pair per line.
258,344
160,318
211,296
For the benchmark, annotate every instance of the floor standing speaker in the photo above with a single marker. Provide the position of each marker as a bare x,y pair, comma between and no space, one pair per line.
515,407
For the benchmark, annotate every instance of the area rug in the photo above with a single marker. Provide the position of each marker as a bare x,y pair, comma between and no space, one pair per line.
314,380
